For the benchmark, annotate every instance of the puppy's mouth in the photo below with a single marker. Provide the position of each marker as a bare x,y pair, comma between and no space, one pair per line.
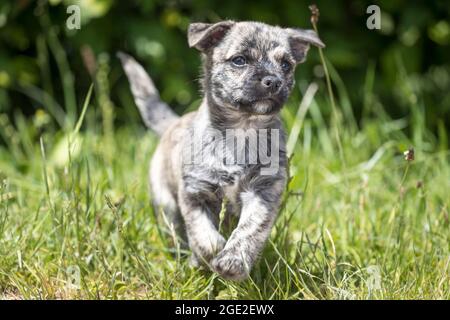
261,106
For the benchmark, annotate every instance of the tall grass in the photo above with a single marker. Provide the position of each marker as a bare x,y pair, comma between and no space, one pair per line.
76,219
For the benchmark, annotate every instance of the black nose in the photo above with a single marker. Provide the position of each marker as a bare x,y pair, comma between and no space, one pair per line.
271,83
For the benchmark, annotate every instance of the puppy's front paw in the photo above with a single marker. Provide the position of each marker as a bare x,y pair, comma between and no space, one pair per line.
194,262
230,265
207,248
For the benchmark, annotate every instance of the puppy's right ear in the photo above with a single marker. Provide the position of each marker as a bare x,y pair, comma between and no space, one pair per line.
204,36
300,39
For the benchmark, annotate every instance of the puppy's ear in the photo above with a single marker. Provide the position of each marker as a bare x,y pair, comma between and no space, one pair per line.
300,39
204,36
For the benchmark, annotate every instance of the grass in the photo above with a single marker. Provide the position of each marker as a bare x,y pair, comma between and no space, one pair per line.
358,221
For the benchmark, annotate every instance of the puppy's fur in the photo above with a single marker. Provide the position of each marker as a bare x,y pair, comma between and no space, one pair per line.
248,75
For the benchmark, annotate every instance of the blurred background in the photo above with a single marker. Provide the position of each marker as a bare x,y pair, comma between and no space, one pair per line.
46,69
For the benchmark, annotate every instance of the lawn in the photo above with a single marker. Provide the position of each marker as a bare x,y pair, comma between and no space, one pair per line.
358,221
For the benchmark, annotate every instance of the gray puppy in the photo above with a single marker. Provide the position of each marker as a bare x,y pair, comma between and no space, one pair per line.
248,74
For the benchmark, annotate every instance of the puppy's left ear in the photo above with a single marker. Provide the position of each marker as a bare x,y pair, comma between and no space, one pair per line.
300,40
204,36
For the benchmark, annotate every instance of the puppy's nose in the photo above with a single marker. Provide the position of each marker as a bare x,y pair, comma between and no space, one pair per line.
271,83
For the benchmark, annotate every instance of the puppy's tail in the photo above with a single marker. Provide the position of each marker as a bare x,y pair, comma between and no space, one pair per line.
156,114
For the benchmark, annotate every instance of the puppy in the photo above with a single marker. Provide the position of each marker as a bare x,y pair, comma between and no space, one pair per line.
232,147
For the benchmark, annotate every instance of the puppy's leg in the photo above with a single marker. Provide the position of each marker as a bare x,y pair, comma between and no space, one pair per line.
201,222
163,196
164,203
246,242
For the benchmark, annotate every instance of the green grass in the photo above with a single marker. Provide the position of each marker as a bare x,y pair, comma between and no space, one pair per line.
358,220
89,211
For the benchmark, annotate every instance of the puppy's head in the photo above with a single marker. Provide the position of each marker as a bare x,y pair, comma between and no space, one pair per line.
249,66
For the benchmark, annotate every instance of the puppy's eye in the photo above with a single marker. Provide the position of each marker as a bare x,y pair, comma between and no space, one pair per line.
239,61
285,65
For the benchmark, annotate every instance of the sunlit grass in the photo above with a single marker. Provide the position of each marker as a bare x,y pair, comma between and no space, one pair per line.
78,204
